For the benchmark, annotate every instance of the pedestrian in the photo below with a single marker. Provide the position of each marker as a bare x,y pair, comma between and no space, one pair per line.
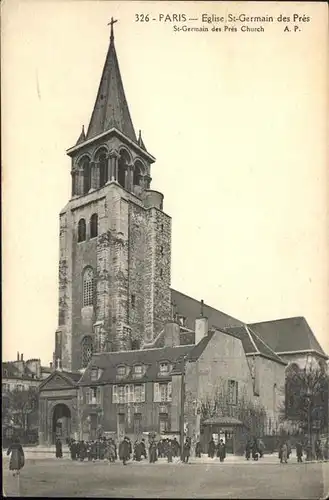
143,447
254,449
299,451
153,452
326,449
261,448
288,449
169,450
186,450
124,451
198,449
211,448
318,451
284,453
248,449
73,449
112,451
308,451
59,449
221,450
176,447
138,451
82,451
17,458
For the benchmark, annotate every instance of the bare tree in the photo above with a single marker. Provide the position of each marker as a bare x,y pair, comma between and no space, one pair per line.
20,404
219,404
306,397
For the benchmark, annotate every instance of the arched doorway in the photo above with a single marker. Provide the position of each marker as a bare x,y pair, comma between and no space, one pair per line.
61,422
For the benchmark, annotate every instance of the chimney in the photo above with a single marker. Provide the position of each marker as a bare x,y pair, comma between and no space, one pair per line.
22,357
201,325
171,334
17,356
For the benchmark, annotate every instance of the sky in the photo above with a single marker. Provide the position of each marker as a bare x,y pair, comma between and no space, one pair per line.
238,123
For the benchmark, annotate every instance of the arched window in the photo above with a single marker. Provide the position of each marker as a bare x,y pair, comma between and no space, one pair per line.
123,162
93,226
137,175
102,170
86,176
88,287
86,351
81,230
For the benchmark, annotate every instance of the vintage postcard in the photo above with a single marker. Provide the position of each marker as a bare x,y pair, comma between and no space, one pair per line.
165,249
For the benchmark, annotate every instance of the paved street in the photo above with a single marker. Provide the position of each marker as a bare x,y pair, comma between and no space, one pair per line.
52,478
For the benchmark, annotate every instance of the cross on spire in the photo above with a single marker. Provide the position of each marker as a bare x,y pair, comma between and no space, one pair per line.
111,24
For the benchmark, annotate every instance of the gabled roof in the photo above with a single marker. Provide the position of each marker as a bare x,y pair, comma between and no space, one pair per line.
252,344
109,361
287,335
190,309
59,379
111,108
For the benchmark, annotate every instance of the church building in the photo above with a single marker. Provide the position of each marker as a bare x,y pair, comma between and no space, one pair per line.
125,338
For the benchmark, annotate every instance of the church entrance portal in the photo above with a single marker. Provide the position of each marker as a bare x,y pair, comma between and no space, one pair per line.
61,423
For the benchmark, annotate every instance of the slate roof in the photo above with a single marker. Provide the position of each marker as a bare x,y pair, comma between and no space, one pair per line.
190,308
74,376
109,361
287,335
252,343
111,108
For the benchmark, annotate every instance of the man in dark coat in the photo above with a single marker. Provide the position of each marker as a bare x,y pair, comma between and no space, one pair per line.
124,451
169,450
59,450
299,451
82,451
221,450
143,448
176,447
211,448
153,452
254,449
186,451
198,449
73,449
248,449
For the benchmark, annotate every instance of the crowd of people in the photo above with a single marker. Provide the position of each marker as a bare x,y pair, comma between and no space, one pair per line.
106,449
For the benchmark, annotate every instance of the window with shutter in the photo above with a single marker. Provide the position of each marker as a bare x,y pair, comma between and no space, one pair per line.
98,396
157,397
169,391
143,394
115,398
87,396
121,393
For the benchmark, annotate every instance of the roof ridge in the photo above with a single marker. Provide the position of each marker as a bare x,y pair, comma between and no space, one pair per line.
251,339
266,345
276,320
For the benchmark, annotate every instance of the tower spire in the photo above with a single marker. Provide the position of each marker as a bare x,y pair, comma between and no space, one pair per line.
111,108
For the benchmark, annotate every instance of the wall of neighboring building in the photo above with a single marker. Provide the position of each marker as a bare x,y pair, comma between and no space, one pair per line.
270,382
9,384
222,360
148,411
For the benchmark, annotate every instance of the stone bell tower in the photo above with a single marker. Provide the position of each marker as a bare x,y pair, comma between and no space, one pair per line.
115,239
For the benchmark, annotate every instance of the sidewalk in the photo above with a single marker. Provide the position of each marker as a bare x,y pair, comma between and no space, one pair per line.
43,452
